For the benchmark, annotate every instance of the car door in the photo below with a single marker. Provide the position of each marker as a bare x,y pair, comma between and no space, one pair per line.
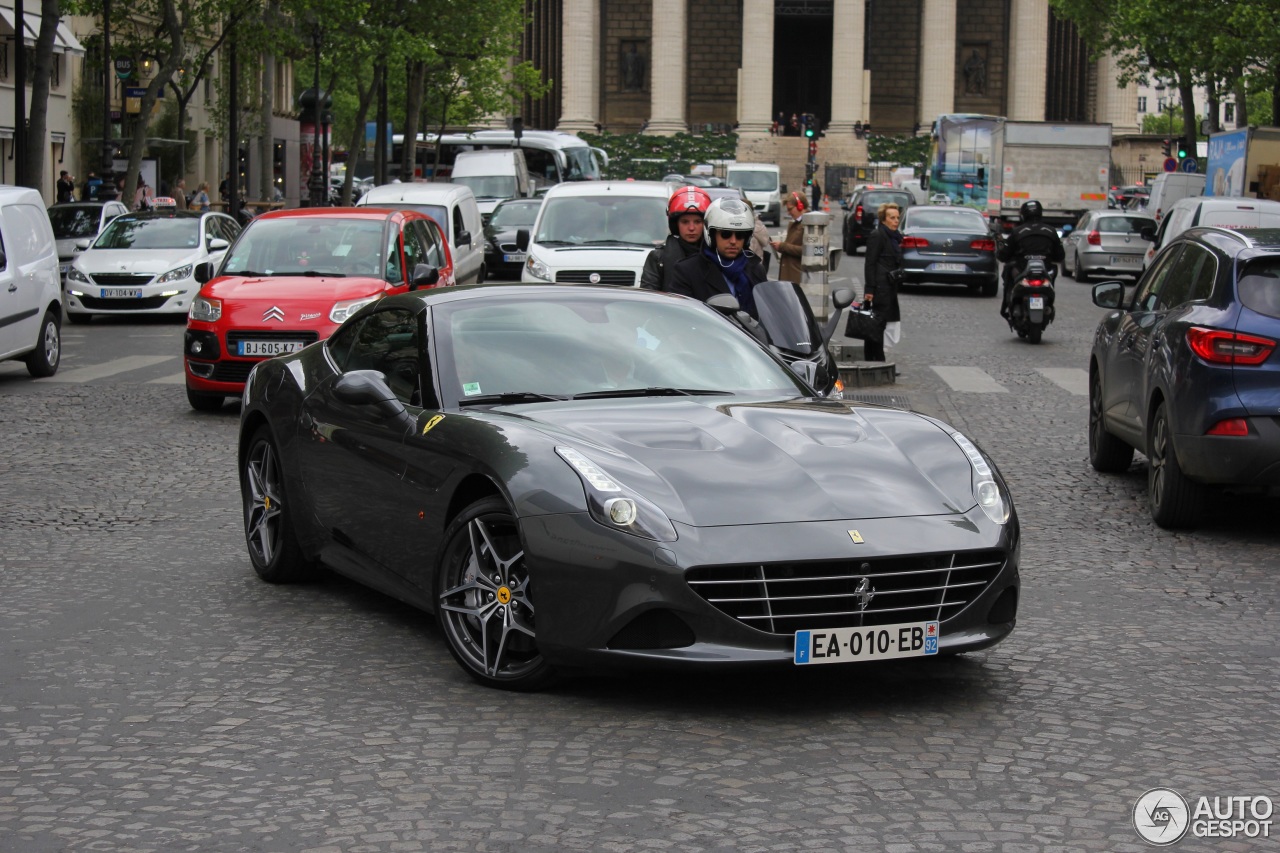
31,262
436,250
1124,382
10,295
466,260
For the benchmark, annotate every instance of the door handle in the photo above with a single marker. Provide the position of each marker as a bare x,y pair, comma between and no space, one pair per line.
13,287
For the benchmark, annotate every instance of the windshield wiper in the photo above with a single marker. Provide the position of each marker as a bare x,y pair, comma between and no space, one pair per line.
617,242
509,397
653,391
556,243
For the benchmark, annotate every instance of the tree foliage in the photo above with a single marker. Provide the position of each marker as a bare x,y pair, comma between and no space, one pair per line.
649,158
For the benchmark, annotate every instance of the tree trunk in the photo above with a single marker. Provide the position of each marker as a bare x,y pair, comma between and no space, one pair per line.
357,134
266,159
412,108
169,66
1242,98
1189,129
1212,105
1275,96
33,163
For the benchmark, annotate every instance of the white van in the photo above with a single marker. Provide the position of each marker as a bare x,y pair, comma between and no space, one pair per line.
494,176
762,183
1212,210
453,207
595,232
30,284
1168,188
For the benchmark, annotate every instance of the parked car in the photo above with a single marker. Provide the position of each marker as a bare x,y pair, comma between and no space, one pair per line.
602,478
292,278
494,176
144,263
455,210
1187,373
1128,198
503,256
80,220
1108,243
860,213
1211,210
951,245
1167,188
939,198
30,298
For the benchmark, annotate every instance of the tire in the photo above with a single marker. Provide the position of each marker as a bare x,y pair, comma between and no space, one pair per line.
1175,501
1034,334
80,319
1107,453
202,402
991,288
484,274
1080,275
45,358
481,564
268,516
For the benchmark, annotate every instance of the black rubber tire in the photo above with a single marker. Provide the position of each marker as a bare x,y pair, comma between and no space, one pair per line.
484,601
1080,277
203,402
268,516
80,319
1107,453
1175,502
45,358
1034,334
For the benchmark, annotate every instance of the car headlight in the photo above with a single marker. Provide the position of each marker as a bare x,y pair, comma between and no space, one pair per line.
342,310
616,506
175,275
74,274
206,309
537,268
985,488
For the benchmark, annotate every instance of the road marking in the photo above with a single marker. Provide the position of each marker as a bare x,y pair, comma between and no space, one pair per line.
110,368
1073,379
171,379
969,379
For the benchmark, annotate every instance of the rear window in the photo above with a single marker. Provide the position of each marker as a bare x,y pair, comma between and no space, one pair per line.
1123,224
877,199
1260,286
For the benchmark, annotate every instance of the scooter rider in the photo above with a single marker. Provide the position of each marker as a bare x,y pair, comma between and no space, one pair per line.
1032,238
685,211
724,265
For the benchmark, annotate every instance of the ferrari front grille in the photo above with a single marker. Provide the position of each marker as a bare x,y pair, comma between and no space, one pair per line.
782,598
621,278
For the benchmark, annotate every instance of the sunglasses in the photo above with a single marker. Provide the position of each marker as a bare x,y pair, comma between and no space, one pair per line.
735,235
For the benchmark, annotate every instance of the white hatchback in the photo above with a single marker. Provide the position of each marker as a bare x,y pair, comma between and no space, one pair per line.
596,232
144,263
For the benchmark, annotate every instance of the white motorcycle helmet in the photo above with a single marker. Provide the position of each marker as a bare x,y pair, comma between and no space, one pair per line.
728,214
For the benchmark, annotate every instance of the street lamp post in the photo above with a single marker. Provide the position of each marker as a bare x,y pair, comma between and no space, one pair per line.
108,189
1167,105
319,184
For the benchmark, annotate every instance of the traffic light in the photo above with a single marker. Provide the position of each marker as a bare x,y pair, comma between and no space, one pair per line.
810,132
1167,147
808,174
813,148
1182,149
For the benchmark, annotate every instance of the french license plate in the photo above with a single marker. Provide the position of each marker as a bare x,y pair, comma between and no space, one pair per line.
120,293
948,268
1035,302
517,258
854,645
1125,259
269,347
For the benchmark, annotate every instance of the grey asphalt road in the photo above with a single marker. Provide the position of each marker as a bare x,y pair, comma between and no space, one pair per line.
154,696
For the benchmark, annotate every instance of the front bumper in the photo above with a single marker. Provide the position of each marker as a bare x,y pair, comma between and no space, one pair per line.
172,297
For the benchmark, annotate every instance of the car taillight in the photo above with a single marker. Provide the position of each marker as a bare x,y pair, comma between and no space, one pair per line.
915,243
983,245
1231,427
1219,346
1094,238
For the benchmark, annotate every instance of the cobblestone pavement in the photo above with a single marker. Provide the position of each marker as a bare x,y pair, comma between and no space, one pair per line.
154,696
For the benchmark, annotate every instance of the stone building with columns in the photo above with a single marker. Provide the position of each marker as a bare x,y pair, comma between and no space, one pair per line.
664,66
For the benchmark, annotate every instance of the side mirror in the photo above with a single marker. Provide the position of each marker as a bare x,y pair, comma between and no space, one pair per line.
833,258
1109,294
841,298
522,239
464,238
203,272
369,388
217,244
725,303
83,244
1148,233
424,275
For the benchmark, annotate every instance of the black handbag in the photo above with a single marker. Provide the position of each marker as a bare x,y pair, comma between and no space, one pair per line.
864,325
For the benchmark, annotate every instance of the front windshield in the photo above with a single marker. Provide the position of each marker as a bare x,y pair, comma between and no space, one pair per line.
598,220
519,215
128,232
582,164
435,211
753,180
73,223
564,345
312,246
489,186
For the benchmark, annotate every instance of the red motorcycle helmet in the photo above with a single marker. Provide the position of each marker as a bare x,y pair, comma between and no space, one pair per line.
686,200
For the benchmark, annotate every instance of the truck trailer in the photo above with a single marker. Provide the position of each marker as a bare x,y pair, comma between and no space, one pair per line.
1244,163
1065,167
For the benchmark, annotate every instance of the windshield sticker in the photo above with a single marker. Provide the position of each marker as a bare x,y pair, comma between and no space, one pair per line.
470,389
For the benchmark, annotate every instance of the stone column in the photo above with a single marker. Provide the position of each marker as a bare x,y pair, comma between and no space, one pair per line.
1116,105
847,34
755,95
667,69
1028,59
580,66
937,60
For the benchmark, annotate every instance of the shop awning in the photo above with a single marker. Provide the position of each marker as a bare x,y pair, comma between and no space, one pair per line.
64,41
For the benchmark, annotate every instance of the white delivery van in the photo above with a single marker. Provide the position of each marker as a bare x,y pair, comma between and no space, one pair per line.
30,284
1168,188
595,232
1212,210
453,207
494,176
762,183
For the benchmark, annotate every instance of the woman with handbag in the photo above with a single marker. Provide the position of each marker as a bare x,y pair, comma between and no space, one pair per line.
791,248
884,272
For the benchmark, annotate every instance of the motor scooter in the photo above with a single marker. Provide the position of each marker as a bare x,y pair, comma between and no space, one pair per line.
789,329
1031,301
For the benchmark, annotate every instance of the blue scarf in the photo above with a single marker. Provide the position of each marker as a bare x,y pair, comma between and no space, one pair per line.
735,275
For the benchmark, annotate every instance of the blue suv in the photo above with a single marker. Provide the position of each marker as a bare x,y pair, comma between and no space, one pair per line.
1187,372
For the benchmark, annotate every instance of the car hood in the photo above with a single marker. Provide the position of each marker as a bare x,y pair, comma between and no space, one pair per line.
136,260
318,290
710,462
617,256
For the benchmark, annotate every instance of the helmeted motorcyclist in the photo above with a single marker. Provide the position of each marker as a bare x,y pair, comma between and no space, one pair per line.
1032,238
685,212
724,265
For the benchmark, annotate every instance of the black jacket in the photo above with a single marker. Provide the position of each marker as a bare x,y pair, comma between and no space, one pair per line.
1031,238
884,255
660,266
699,276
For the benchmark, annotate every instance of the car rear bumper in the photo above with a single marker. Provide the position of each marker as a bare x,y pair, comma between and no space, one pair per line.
1252,460
1103,265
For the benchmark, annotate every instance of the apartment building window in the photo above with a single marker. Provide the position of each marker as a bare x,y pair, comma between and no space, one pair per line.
1142,103
1229,113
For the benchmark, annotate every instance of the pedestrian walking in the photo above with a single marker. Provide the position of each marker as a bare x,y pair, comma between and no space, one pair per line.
180,193
884,272
791,247
144,198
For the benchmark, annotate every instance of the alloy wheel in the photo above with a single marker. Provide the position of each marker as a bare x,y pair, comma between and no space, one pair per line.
264,508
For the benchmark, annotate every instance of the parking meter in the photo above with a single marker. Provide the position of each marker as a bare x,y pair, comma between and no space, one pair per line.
814,256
